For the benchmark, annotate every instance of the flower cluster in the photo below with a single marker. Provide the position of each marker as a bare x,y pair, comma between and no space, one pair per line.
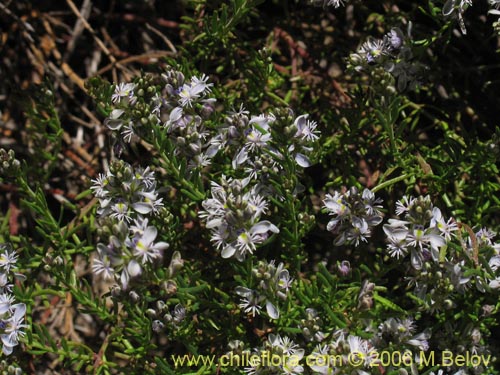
8,369
179,107
233,216
276,346
401,333
9,165
11,313
127,199
259,143
163,317
393,53
421,234
273,282
311,326
354,215
357,355
182,110
466,339
439,256
484,240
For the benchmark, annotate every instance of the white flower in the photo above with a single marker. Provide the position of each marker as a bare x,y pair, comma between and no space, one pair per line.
189,93
373,50
360,231
8,260
335,204
103,266
494,3
420,341
144,248
291,365
397,246
256,139
250,304
123,90
5,303
13,327
494,262
485,236
201,84
148,204
306,129
361,350
262,121
284,280
99,186
404,205
495,283
114,122
120,211
128,132
446,228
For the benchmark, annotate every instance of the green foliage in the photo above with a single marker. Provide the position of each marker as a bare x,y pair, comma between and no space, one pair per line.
227,222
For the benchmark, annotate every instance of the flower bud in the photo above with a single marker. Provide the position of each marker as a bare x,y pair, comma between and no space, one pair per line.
157,326
134,296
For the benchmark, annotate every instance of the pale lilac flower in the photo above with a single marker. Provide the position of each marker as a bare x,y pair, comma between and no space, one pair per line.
144,248
113,121
233,216
120,211
495,3
373,50
262,121
354,215
319,363
458,8
402,206
256,139
284,280
123,90
361,350
250,303
6,301
485,236
494,263
344,267
99,186
103,266
306,129
445,227
13,328
149,204
189,93
128,132
8,260
201,83
495,283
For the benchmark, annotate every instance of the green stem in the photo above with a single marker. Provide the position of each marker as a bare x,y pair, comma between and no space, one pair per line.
390,182
277,98
173,169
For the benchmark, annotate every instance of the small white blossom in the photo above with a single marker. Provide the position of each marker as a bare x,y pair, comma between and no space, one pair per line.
123,90
12,328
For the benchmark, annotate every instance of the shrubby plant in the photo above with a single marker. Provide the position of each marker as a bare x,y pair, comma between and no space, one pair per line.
247,213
